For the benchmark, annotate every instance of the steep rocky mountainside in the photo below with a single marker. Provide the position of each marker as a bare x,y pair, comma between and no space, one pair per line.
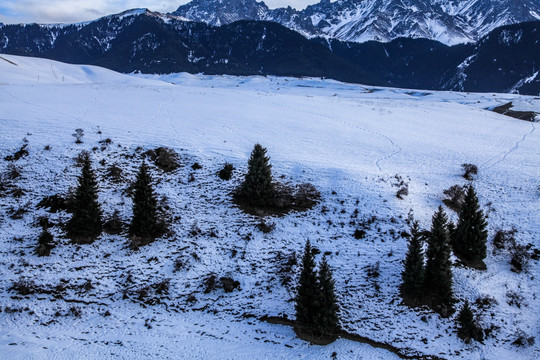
448,21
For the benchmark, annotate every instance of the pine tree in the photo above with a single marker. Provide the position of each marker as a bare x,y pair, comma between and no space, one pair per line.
467,327
327,321
438,274
86,222
258,188
412,286
309,295
470,236
144,222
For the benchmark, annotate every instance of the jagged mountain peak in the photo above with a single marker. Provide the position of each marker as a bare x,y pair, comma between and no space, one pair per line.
447,21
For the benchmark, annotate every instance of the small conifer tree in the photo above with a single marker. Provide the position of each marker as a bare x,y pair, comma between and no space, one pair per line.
327,321
438,274
144,222
258,188
86,222
308,297
470,235
467,326
412,285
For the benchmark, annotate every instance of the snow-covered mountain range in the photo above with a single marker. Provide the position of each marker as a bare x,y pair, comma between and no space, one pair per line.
448,21
144,41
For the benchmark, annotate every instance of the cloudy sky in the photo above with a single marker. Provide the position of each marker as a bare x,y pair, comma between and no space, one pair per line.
55,11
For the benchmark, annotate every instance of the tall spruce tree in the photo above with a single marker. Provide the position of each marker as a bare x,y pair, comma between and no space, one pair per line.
327,321
438,274
308,298
412,285
258,188
86,222
144,222
470,235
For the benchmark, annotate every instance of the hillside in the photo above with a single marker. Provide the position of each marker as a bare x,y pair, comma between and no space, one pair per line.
356,144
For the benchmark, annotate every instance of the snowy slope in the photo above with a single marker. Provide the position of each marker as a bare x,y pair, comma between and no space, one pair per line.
350,141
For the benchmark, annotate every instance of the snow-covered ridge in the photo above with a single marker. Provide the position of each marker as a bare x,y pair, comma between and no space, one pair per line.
450,22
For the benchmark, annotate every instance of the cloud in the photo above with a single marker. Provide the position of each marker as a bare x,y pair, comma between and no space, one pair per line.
59,11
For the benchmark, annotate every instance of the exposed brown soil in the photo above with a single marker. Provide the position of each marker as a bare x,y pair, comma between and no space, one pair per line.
521,115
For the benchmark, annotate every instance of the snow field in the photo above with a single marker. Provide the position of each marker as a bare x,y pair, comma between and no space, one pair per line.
348,140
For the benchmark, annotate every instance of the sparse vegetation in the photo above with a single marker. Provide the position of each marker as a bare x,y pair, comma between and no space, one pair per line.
469,171
78,135
455,195
468,328
165,158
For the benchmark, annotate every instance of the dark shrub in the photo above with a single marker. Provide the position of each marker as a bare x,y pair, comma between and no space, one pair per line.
402,192
519,258
504,239
226,172
266,227
469,170
78,135
228,284
115,173
164,158
13,172
359,234
196,166
22,152
455,196
114,225
54,203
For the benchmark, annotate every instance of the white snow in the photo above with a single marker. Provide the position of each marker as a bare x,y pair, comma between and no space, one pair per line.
350,141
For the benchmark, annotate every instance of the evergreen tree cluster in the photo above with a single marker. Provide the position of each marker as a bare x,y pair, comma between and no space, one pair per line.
86,222
427,278
316,302
429,284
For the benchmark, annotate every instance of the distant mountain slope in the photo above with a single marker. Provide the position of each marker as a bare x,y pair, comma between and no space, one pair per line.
140,40
448,21
508,59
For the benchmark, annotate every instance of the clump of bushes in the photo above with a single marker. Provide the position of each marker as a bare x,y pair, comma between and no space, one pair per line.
455,195
226,283
164,158
520,255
